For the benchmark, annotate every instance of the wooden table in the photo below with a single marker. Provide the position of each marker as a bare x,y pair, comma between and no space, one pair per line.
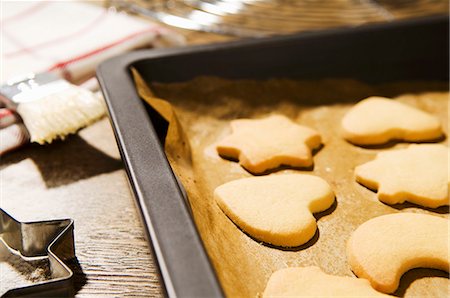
83,178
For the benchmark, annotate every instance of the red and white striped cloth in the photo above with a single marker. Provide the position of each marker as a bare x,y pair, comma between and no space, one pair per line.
70,38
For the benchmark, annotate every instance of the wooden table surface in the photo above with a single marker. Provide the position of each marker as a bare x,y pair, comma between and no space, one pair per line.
83,178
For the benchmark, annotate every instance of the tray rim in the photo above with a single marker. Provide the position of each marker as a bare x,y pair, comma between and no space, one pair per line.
196,276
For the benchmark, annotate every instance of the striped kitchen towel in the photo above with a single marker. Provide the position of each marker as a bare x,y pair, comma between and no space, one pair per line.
70,37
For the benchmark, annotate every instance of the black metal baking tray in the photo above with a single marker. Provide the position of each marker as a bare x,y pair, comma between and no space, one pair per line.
408,50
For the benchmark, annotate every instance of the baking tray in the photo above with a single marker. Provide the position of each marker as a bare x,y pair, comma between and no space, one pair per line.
408,50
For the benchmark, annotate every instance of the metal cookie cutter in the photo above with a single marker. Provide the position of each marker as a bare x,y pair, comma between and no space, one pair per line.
49,241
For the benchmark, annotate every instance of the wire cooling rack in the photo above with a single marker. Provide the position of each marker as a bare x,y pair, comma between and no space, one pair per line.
253,18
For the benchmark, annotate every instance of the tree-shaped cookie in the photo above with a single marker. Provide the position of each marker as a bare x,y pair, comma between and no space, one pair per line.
385,247
313,282
264,144
276,209
376,120
418,174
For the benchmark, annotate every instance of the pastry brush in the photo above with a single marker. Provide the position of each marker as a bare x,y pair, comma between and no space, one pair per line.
50,106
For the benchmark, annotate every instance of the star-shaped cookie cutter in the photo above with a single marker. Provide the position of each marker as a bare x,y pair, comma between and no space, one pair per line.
42,240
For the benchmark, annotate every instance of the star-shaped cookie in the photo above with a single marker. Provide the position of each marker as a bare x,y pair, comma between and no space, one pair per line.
418,174
264,144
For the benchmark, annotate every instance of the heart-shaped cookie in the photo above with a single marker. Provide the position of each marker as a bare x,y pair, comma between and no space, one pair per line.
276,209
376,120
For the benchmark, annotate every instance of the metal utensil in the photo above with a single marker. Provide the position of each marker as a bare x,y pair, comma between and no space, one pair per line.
50,241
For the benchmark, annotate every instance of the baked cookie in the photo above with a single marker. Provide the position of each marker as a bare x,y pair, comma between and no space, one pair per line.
268,143
376,120
418,174
385,247
313,282
276,209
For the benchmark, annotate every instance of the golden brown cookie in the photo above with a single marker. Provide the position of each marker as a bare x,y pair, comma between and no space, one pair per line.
264,144
418,174
385,247
276,209
376,120
313,282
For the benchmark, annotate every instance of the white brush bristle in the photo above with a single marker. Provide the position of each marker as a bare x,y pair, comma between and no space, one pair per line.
59,114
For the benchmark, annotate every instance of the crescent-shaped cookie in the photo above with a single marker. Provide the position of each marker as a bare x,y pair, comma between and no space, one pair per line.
376,120
276,209
313,282
385,247
268,143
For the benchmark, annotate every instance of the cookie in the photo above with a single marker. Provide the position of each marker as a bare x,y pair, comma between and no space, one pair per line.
377,120
385,247
313,282
418,174
268,143
276,209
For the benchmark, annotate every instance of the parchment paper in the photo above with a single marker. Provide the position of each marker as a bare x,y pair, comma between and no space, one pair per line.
202,110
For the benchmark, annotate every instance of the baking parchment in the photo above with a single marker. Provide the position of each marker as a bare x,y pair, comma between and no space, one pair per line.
199,113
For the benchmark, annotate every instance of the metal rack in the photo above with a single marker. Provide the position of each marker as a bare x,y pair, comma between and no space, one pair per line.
255,18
